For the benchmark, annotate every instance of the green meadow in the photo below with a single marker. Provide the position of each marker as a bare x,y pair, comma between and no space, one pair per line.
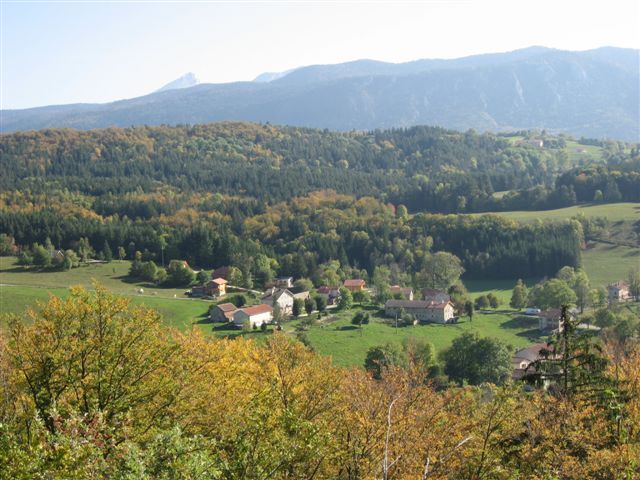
614,212
347,344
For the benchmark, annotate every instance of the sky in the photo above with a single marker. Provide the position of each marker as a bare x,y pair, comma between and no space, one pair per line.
59,52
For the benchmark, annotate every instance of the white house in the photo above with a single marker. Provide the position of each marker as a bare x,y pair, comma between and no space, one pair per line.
253,316
618,292
281,297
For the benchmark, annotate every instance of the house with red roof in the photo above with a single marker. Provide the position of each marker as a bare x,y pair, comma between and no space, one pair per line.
216,287
253,316
354,285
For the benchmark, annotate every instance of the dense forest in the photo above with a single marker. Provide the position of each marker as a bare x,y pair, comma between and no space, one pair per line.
304,235
423,168
298,199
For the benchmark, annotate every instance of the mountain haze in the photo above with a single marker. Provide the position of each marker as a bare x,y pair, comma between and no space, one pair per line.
592,93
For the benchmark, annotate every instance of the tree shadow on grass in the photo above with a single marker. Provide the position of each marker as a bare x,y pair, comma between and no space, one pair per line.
533,335
224,327
204,319
521,322
347,327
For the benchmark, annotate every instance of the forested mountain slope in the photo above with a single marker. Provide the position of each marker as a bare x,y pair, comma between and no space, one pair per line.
297,200
423,168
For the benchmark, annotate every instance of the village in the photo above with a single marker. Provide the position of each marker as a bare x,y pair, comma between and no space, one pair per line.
283,300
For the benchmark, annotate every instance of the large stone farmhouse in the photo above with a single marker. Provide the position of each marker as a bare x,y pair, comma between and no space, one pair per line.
424,311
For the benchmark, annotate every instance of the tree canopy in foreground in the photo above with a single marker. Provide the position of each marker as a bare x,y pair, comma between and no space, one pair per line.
93,387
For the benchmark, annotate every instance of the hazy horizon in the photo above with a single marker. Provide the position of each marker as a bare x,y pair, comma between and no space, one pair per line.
55,53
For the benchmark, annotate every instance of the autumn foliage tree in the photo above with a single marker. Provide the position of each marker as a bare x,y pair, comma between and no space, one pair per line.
94,387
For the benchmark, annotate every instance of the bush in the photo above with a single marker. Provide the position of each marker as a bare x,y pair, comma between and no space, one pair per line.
321,303
481,302
298,307
360,318
493,301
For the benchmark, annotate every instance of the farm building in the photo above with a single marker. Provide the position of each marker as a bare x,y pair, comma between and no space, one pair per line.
424,311
253,316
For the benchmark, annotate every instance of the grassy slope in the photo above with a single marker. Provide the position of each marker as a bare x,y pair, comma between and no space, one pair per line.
613,211
112,275
347,346
604,263
22,288
607,263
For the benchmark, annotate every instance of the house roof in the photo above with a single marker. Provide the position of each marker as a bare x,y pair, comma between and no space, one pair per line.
407,304
282,292
256,309
227,307
416,304
399,289
302,295
438,305
219,281
355,282
531,353
432,292
619,284
552,313
276,293
324,290
284,278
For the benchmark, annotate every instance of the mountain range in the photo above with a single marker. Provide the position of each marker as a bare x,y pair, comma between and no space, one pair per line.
593,93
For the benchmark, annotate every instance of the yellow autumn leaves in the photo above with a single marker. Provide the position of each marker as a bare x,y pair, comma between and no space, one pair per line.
90,382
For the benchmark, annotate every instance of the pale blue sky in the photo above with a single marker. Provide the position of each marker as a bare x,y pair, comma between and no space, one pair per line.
73,51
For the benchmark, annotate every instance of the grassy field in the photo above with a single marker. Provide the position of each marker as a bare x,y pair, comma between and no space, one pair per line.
576,152
607,263
614,212
347,345
20,288
113,275
582,153
604,263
